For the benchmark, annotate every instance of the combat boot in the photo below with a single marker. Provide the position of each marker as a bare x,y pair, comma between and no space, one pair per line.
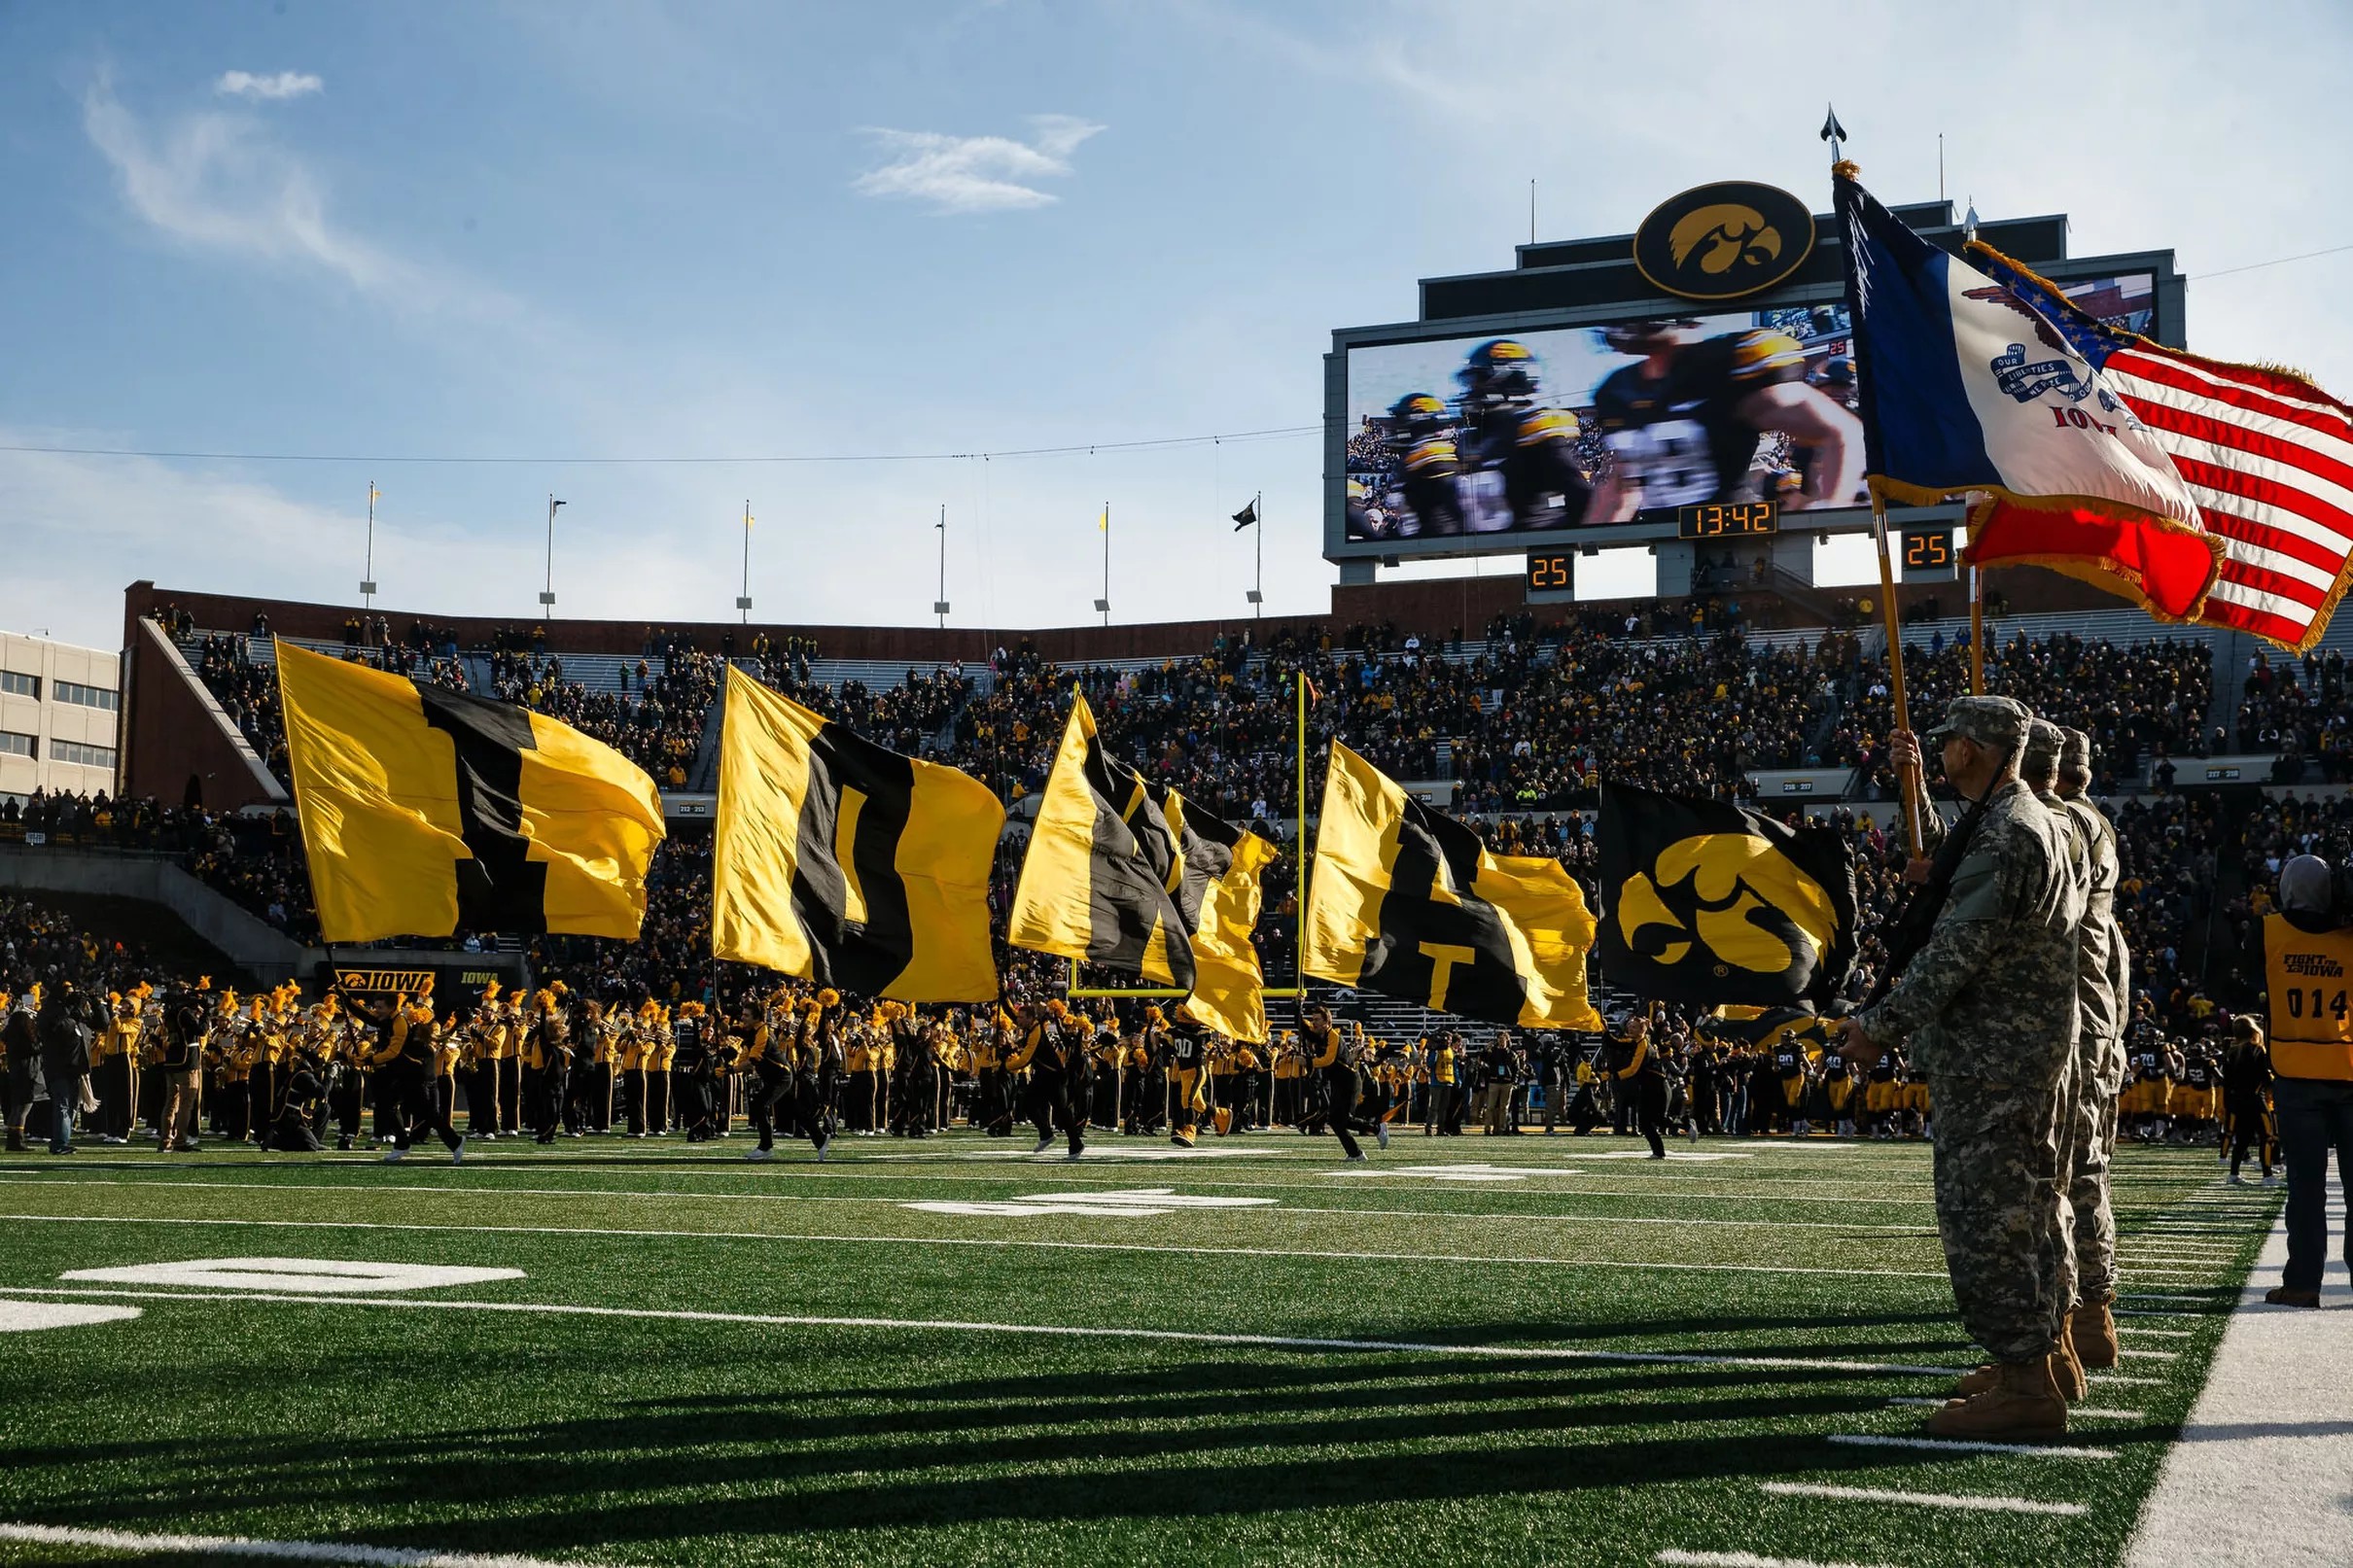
2092,1329
2067,1369
15,1140
2023,1404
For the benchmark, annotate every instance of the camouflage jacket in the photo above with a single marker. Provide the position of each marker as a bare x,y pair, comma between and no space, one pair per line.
1992,994
2104,983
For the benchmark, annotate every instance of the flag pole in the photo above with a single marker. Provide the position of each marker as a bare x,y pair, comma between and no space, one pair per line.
1106,563
744,600
1906,780
1258,596
1299,849
367,575
1976,631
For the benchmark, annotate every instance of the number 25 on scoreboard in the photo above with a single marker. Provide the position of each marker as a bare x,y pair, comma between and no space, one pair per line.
1928,554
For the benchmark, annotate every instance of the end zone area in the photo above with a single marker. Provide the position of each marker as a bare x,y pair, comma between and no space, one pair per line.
1515,1350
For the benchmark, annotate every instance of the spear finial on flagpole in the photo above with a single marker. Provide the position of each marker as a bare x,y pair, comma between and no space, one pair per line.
1835,135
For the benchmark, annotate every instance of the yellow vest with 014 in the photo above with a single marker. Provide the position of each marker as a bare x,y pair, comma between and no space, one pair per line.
2309,978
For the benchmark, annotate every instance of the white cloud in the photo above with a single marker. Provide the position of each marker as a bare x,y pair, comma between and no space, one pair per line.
284,85
957,174
218,179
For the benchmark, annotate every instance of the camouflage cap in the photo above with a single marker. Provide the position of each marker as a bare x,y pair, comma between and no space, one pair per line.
1987,720
2077,752
2044,743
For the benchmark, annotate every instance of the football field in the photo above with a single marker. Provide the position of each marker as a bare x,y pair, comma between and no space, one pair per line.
1499,1350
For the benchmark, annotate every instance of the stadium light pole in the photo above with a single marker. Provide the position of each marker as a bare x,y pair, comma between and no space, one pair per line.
940,606
547,591
1258,586
743,600
367,572
1104,603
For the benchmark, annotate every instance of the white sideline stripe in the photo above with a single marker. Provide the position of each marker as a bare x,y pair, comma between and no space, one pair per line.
2167,1334
2149,1355
2150,1312
2072,1409
1874,1494
237,1545
2266,1440
2019,1450
1504,1352
1671,1557
996,1241
348,1187
2120,1377
2151,1295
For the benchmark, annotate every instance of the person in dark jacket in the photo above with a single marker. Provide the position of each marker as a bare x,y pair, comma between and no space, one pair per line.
64,1058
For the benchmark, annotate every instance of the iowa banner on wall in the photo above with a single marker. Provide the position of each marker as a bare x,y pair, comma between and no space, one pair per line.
842,862
1704,902
424,810
1408,902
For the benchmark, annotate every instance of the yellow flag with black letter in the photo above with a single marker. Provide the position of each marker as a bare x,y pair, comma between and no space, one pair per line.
842,862
425,810
1103,867
1406,901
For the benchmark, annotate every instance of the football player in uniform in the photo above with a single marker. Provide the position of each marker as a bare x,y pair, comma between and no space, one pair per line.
1684,425
2148,1096
1427,494
1519,460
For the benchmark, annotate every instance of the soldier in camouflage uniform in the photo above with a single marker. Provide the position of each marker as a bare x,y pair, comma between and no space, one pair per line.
2104,992
1989,1009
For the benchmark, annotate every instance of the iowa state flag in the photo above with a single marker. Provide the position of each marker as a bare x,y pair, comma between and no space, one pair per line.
1968,391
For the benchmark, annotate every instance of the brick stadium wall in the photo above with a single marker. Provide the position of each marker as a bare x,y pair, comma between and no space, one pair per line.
169,738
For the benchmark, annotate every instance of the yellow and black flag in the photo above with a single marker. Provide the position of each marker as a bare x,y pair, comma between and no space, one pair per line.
1408,902
842,862
1704,902
1218,898
1100,878
424,810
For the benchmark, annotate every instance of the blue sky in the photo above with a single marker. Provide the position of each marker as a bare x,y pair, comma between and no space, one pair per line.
572,230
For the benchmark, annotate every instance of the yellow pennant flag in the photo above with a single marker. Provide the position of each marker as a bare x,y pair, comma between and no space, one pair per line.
424,810
842,862
1407,902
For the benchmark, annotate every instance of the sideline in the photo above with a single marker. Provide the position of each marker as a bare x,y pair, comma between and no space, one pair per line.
2258,1478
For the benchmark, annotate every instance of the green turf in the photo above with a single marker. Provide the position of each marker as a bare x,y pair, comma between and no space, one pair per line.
621,1439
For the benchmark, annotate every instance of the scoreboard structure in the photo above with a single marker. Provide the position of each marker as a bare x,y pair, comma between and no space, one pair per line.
1688,389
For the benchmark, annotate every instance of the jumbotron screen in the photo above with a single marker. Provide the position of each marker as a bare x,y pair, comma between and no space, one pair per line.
1486,435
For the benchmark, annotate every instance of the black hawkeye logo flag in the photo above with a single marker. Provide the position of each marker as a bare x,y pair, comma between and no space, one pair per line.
425,810
1706,902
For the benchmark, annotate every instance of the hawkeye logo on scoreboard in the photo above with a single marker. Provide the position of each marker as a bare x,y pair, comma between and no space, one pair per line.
366,981
1725,240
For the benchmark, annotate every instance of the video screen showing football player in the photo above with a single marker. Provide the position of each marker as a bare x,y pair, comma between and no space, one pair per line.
1519,457
1684,425
1423,497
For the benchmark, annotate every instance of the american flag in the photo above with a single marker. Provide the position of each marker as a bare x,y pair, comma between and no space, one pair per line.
2267,455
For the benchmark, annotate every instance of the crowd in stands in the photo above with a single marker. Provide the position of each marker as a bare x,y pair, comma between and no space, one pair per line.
1527,721
2139,702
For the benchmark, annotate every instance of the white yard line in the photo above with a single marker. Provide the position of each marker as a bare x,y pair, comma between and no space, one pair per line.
659,1196
1503,1352
2258,1480
2162,1333
1674,1558
2102,1378
1875,1494
1957,1445
2073,1410
1289,1253
237,1545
